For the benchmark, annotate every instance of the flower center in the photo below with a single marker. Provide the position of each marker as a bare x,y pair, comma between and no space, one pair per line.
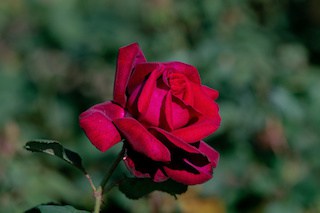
177,83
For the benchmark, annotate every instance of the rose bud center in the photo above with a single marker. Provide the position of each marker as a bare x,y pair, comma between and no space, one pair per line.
177,83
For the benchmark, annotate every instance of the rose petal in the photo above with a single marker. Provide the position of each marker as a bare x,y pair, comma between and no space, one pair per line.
189,178
159,176
203,103
199,130
173,140
167,119
107,108
188,96
181,114
140,73
99,127
212,93
211,153
132,103
141,140
188,70
149,91
128,57
152,108
131,166
189,165
179,85
143,167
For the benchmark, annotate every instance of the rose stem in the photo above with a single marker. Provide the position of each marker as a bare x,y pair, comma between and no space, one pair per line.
99,192
90,182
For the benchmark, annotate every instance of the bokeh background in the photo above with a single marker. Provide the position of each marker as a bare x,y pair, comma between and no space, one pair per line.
57,58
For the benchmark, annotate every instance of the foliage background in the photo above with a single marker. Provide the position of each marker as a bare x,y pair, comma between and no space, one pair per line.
57,58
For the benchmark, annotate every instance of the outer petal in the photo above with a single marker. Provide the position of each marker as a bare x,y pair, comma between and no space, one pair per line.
131,165
108,108
174,141
189,165
203,103
199,130
211,153
159,176
128,57
141,166
141,140
98,126
212,93
189,178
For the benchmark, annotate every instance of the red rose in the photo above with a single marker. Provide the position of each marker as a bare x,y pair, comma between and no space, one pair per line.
163,113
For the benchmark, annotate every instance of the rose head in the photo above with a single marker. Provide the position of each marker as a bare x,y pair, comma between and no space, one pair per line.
163,113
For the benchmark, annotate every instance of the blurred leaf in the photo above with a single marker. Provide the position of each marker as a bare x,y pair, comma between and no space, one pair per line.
55,148
135,188
54,209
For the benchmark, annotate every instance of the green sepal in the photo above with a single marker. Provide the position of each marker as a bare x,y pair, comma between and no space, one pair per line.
135,188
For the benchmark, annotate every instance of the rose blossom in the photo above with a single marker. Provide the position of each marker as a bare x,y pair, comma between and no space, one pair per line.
163,112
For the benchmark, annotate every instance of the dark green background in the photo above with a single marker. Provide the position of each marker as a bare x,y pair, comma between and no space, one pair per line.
57,58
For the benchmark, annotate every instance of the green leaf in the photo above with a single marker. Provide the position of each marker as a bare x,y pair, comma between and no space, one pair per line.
54,209
56,149
135,188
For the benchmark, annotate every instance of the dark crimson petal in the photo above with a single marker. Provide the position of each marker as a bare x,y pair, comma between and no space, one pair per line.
159,176
188,70
212,93
189,165
152,108
180,86
149,91
177,142
211,153
128,57
187,177
188,96
167,119
132,102
199,130
143,167
141,140
203,103
131,165
140,73
98,126
181,114
177,82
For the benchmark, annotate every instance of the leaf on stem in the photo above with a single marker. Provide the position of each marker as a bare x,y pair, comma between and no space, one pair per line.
49,208
135,188
54,148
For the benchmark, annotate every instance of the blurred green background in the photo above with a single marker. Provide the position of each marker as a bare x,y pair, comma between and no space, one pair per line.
57,58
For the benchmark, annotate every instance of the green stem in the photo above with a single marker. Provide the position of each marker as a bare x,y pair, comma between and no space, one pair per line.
98,196
112,168
90,182
98,193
